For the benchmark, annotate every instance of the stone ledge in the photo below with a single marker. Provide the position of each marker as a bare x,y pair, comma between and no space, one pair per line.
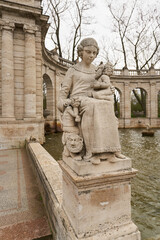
83,168
17,121
98,179
21,7
49,178
48,167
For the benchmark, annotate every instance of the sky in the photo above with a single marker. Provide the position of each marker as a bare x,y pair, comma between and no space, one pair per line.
101,18
102,26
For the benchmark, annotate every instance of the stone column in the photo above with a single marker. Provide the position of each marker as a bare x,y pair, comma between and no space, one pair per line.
30,73
127,105
153,104
7,71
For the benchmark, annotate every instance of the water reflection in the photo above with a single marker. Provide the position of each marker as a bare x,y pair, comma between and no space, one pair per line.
145,154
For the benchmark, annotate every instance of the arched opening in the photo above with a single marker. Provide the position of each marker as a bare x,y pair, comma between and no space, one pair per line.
117,99
47,97
159,104
138,102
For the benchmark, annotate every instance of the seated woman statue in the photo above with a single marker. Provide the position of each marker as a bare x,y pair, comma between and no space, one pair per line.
96,124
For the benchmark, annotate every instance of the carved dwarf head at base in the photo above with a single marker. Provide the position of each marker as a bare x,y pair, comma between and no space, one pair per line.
74,142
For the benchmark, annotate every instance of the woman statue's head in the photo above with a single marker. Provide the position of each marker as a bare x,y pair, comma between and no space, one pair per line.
85,43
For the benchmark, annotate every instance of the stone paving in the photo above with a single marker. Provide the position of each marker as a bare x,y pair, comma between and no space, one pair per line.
22,214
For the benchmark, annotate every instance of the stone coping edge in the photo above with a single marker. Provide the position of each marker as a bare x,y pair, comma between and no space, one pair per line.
49,179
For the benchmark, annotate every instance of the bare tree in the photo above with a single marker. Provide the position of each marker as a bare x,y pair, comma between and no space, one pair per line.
107,51
55,9
139,33
145,41
73,15
79,20
138,29
121,25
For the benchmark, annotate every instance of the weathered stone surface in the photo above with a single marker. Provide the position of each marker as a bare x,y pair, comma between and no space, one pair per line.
99,204
14,133
20,71
27,2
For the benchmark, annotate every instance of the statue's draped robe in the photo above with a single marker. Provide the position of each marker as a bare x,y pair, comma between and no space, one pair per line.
99,125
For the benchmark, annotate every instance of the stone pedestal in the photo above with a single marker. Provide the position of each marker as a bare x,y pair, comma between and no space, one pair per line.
96,199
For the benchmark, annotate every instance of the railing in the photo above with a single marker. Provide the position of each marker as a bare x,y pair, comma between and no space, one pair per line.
157,71
133,72
55,57
66,62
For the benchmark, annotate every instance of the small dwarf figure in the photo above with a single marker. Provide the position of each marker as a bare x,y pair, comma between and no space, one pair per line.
71,106
75,104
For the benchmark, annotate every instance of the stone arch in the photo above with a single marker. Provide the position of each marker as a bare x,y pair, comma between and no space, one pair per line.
47,97
139,102
118,103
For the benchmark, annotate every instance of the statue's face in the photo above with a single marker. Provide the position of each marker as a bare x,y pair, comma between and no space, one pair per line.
89,54
74,143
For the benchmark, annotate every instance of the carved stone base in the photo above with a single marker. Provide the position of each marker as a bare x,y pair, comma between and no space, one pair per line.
87,168
98,204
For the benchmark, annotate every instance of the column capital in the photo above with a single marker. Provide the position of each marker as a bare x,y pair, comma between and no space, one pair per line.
7,25
152,83
30,29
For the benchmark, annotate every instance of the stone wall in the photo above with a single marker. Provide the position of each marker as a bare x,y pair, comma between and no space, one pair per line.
22,30
34,3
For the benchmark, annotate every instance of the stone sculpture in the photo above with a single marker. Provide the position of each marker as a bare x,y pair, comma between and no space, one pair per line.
73,145
87,109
